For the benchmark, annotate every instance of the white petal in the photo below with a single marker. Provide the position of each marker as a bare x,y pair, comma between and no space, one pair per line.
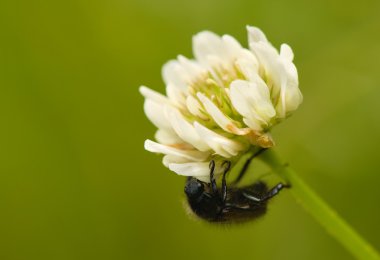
255,35
192,155
154,112
176,95
248,64
205,44
174,74
220,144
169,137
253,124
215,52
286,52
199,170
192,68
179,75
231,46
195,108
265,53
185,130
252,101
168,159
195,169
259,95
204,178
223,121
269,60
291,97
281,74
153,95
216,66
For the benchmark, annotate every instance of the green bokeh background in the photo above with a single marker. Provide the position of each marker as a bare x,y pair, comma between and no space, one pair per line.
75,182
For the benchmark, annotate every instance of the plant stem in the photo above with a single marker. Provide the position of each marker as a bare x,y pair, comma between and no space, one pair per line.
327,217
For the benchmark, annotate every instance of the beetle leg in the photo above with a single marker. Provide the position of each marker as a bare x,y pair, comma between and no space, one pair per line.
274,191
246,166
267,195
212,177
252,197
224,182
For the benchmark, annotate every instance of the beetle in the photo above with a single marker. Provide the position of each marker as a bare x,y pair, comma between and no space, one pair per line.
229,205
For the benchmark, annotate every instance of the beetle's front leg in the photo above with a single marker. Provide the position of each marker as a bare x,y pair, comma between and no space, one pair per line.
212,177
227,165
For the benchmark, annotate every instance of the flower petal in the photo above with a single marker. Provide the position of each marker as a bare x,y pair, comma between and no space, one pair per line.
279,71
199,170
195,169
169,137
247,64
223,121
207,44
195,108
153,95
205,179
291,98
253,124
192,155
168,159
185,130
255,35
175,95
192,67
252,101
286,52
154,112
269,61
220,144
231,46
181,72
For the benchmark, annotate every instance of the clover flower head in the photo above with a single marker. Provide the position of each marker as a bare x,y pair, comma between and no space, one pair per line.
223,102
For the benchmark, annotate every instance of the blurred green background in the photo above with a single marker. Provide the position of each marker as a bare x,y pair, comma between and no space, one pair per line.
75,182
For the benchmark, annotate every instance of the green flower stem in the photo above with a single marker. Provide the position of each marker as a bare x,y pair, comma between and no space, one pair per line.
327,217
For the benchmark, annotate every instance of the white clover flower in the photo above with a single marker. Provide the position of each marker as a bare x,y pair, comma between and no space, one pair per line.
222,103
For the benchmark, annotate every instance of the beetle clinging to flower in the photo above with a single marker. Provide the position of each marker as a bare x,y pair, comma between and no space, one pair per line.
218,107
